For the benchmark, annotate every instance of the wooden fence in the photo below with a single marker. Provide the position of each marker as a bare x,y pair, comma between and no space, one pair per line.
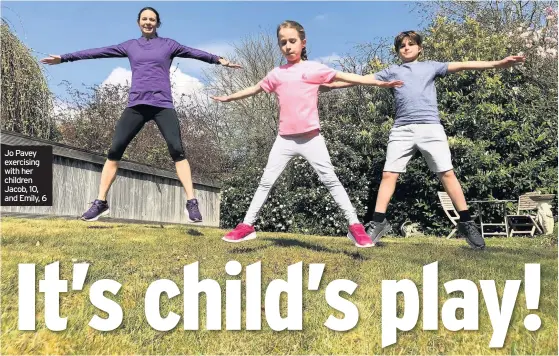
140,192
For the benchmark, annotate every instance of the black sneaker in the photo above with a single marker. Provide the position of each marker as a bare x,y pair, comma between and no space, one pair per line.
376,230
471,232
98,208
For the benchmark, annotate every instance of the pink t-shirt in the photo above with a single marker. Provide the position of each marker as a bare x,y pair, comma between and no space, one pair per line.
296,86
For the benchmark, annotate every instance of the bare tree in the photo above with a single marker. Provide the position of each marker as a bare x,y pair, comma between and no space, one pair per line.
243,128
92,114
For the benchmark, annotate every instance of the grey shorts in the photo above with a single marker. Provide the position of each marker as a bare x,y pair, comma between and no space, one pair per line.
429,139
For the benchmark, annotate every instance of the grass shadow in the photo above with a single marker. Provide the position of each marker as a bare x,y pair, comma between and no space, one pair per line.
286,242
193,232
241,250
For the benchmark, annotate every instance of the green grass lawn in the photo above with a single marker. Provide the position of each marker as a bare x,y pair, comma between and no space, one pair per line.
136,255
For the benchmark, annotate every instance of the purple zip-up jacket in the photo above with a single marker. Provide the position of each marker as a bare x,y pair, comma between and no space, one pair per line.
150,61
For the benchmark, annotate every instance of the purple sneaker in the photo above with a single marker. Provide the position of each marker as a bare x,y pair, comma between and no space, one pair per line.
192,211
98,208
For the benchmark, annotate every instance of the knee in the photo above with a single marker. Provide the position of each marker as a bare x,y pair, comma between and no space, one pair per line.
177,152
391,176
115,153
330,180
267,181
447,175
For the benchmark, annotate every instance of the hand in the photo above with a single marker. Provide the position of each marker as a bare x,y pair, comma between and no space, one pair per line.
52,59
511,61
222,99
391,84
224,62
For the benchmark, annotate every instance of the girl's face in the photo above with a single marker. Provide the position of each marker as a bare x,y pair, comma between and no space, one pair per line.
409,50
291,44
148,23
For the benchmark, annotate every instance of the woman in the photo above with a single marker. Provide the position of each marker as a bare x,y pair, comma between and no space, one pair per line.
150,98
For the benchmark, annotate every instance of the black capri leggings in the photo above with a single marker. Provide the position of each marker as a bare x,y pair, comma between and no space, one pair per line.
134,118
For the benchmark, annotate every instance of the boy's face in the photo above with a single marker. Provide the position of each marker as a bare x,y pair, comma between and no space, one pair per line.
409,50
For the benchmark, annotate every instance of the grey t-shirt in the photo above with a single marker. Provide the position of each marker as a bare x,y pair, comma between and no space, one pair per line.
416,100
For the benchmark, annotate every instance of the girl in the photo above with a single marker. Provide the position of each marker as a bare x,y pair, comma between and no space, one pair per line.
149,99
296,87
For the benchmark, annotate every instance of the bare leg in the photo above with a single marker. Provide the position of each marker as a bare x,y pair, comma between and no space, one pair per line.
453,189
108,176
386,190
185,176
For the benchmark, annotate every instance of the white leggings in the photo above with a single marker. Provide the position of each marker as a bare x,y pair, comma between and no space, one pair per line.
313,149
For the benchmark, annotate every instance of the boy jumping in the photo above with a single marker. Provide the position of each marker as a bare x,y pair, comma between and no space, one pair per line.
417,127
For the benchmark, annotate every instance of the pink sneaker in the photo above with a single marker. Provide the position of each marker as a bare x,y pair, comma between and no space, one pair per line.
241,233
359,236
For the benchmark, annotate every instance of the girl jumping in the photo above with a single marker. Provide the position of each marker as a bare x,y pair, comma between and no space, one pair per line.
296,86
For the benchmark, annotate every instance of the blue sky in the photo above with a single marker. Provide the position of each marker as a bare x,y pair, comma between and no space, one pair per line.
333,28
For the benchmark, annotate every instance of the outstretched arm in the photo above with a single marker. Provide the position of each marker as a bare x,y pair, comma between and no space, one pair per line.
189,52
335,85
508,62
245,93
356,79
93,53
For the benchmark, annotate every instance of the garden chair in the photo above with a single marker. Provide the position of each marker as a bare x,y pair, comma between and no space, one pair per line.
524,222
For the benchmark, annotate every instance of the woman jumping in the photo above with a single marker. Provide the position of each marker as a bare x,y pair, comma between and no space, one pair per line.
150,98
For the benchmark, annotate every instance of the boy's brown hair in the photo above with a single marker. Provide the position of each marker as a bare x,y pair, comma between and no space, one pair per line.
414,36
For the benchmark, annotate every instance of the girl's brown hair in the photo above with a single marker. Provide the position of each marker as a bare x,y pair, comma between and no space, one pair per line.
300,30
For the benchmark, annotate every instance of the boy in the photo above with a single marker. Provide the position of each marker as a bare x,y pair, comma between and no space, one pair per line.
417,127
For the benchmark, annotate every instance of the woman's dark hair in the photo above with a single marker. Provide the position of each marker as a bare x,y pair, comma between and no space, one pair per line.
151,9
300,30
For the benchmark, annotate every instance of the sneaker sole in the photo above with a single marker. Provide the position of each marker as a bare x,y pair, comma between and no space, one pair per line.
250,236
350,236
472,245
97,217
188,218
382,232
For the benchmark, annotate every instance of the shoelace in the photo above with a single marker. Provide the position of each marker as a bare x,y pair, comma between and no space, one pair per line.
94,204
242,227
194,207
470,228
